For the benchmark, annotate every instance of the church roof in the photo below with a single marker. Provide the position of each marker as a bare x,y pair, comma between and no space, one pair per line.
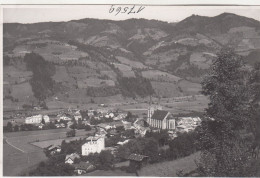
159,114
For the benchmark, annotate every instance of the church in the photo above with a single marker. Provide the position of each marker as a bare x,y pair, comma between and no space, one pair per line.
161,119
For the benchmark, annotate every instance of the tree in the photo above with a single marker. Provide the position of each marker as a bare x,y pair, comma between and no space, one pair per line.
106,160
87,128
224,152
43,121
71,133
16,128
41,81
255,91
143,146
162,137
9,127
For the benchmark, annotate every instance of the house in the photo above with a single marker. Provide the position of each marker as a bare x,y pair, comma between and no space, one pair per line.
71,158
101,132
186,124
40,125
93,145
110,115
91,112
113,150
127,125
52,149
161,119
65,118
37,119
122,143
141,127
83,167
77,115
137,161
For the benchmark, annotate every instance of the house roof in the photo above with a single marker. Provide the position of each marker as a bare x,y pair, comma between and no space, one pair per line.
93,138
141,122
159,114
136,157
72,156
83,165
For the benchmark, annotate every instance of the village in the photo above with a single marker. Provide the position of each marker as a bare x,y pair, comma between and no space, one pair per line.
111,130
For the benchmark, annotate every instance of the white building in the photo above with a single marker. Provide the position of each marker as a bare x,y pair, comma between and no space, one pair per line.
93,145
37,119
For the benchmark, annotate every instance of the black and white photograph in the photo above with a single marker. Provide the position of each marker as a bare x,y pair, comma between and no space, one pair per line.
130,90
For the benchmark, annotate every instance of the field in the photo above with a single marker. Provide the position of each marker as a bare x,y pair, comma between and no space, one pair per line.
61,75
22,91
131,63
125,69
159,76
200,60
170,168
168,104
19,154
15,161
94,82
189,88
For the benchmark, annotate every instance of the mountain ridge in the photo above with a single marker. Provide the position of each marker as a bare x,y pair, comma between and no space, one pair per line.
92,56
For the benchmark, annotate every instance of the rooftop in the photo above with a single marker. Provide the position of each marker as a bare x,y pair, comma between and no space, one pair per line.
159,114
136,157
83,165
72,156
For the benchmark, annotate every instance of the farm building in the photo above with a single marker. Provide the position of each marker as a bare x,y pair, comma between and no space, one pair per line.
93,145
137,161
71,158
52,149
83,167
37,119
161,119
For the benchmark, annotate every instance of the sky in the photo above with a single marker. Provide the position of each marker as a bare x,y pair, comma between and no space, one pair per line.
56,13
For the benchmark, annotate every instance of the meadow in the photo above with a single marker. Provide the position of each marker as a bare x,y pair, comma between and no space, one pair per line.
20,155
170,168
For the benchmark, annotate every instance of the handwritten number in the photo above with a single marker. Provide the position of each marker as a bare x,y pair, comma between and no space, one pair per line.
111,9
118,10
140,9
128,10
125,9
131,10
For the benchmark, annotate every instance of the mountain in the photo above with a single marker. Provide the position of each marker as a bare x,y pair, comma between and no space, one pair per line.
104,60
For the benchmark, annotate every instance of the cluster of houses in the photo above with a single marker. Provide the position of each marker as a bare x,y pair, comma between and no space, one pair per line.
157,119
95,144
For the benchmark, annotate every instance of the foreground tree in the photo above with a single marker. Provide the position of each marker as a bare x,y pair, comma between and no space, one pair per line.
225,151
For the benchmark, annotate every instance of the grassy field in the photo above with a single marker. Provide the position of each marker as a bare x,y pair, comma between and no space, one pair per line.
125,69
159,76
56,142
166,89
199,60
170,168
16,161
94,82
19,154
131,63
